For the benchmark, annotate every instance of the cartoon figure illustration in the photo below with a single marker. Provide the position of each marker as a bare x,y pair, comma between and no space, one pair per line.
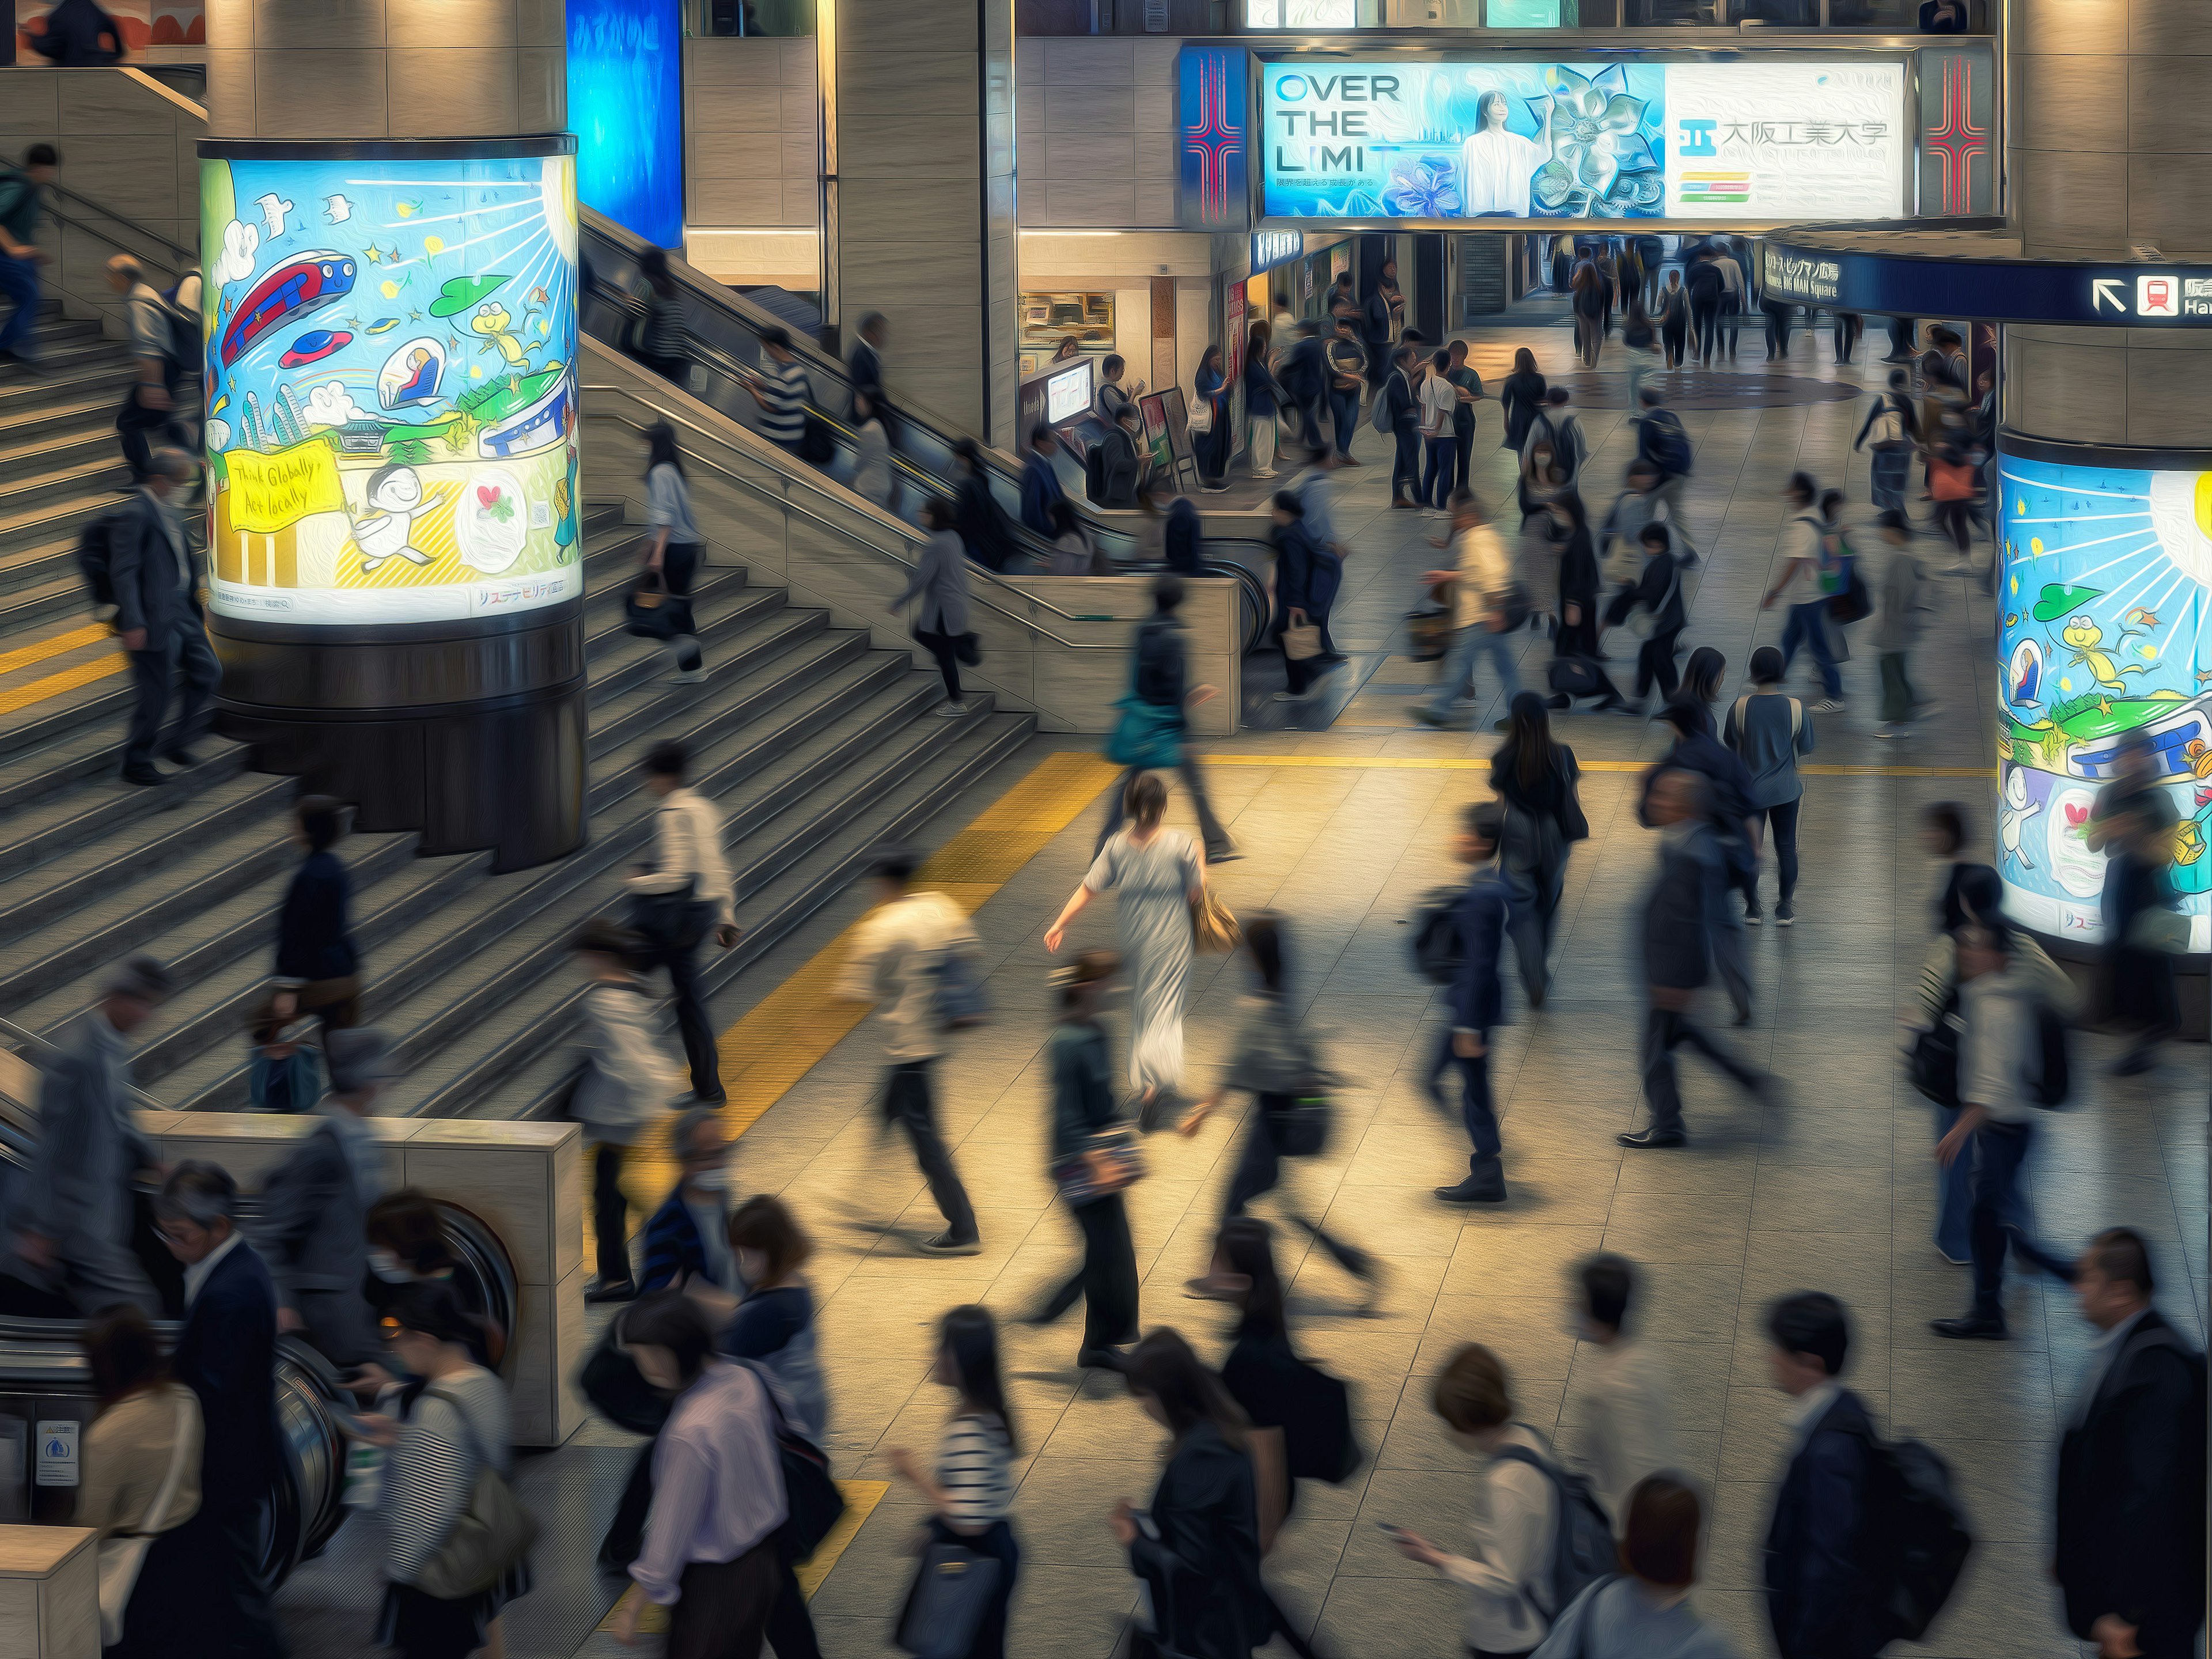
337,209
394,496
2085,640
273,209
494,322
2014,818
2199,756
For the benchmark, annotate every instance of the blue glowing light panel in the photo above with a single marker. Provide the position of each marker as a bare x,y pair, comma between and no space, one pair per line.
626,108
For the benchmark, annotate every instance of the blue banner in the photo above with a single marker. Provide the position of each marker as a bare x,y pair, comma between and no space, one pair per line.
1213,117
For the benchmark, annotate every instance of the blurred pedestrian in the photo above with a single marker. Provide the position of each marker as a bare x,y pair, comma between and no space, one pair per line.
1159,678
76,1212
627,1081
1673,317
22,195
940,583
1181,538
1074,552
1536,779
1628,1432
157,573
1521,397
1657,614
971,1487
1645,1613
310,1229
1904,598
781,391
1736,829
1210,387
161,362
1819,1597
1160,872
866,365
985,531
1041,484
1090,1163
1556,425
79,34
317,966
675,550
774,1327
2131,822
1517,1516
1486,595
685,897
901,956
1803,559
1770,729
1263,395
1307,575
1279,1063
686,1239
663,345
1346,360
871,451
1477,1003
1467,387
1196,1544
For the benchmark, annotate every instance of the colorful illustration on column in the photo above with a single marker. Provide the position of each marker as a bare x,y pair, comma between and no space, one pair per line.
2101,635
363,474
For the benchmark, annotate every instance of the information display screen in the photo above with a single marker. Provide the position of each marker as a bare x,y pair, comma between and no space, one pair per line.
1067,393
390,351
2102,641
1738,141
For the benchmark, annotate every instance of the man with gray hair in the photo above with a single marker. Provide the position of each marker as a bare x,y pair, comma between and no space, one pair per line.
72,1223
313,1229
152,405
225,1354
156,575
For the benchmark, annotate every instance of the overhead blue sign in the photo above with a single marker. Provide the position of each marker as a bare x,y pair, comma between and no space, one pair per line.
1271,248
1990,290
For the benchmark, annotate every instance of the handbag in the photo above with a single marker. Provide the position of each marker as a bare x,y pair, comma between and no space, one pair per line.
1109,1162
493,1533
2165,931
1201,418
1301,641
610,1380
120,1558
811,1499
1212,925
1301,1129
652,612
947,1604
1513,606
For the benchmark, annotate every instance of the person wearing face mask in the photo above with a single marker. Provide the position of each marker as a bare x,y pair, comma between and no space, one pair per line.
687,1240
407,1246
311,1229
773,1326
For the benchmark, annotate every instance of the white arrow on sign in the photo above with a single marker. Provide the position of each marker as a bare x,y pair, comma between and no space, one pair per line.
2103,288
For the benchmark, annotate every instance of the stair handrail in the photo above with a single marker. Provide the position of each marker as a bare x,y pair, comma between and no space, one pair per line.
183,253
975,571
34,1047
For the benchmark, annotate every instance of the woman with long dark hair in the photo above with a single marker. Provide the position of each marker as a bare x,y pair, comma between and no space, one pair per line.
1085,1117
1260,412
1278,1063
971,1486
662,345
1703,674
1579,578
1522,397
674,552
1536,776
1211,385
1197,1546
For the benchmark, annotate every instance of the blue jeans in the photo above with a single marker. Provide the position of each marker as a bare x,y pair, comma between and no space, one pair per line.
1467,644
1436,478
1954,1195
1476,1110
1999,1219
1344,415
18,281
1809,626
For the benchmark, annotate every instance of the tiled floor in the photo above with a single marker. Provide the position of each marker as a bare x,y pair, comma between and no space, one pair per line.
1344,819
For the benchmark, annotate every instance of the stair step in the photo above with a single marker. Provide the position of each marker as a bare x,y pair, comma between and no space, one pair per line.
62,596
92,415
55,518
54,385
72,824
64,480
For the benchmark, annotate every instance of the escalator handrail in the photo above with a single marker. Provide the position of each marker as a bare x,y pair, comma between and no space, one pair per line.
31,1045
975,572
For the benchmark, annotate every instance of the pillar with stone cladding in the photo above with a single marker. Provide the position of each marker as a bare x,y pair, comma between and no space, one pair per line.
395,549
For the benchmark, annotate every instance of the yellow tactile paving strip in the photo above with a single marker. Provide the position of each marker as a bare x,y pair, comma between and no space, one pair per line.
19,692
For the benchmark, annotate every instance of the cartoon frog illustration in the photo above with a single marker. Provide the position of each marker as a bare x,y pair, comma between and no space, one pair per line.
497,324
2085,640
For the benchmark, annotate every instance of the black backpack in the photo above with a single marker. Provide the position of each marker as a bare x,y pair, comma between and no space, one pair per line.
1438,950
1583,1551
1934,1062
1670,444
2056,1081
1915,1537
94,552
1094,473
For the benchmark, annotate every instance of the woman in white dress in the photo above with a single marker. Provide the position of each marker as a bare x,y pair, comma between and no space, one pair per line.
1498,164
1161,872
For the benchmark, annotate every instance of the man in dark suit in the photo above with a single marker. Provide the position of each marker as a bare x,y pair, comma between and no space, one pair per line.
1041,489
157,575
1736,827
1477,1003
1305,377
1817,1598
1680,915
225,1353
2131,1536
867,365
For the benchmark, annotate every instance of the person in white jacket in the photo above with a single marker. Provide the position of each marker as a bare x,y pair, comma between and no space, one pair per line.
1482,584
1627,1429
627,1080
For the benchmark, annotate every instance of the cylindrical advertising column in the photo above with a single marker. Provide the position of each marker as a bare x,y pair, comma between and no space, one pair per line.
394,553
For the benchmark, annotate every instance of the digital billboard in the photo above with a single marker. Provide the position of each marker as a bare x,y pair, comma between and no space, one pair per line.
2101,635
625,67
390,351
1456,140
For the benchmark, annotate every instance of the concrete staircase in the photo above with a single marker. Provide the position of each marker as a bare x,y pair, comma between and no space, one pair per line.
815,744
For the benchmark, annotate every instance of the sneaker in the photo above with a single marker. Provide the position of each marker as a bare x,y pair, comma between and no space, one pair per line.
1889,729
1784,913
1428,716
945,1244
687,677
1404,505
1829,706
146,777
951,710
1206,1288
1752,915
1215,489
1292,696
1350,460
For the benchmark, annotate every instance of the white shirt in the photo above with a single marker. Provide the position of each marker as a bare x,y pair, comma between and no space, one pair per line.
1497,166
196,1274
1511,1540
1807,1409
896,950
1731,275
687,846
1439,398
1999,1055
1630,1433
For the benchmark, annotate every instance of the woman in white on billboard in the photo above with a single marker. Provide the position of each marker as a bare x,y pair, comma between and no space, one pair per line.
1498,164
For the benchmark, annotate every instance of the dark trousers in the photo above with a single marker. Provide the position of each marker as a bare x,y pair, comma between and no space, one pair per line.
1846,335
1706,319
1298,673
1898,699
252,1629
722,1612
1955,519
1664,1030
679,568
1405,463
907,1102
1779,321
1782,832
1655,664
152,670
1536,890
138,426
1675,336
1477,1110
1997,1218
1344,416
426,1626
1808,626
611,1213
681,960
943,647
1209,827
1106,1281
1261,1168
625,1539
1437,476
19,282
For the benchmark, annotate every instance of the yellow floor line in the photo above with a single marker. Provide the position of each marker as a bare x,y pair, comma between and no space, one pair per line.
1481,763
24,656
53,686
862,1497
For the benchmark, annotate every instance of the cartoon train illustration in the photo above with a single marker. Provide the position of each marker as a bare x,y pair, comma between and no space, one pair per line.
286,295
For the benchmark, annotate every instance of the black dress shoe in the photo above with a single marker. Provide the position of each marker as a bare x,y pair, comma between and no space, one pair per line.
1649,1139
1982,1326
625,1291
1100,1359
181,758
1474,1192
143,774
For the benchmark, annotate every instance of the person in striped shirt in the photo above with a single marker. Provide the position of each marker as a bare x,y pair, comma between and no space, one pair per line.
781,391
972,1485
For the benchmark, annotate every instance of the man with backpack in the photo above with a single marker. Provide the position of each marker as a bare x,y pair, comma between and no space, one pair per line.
1663,443
2012,1063
1459,948
160,355
1555,425
20,198
152,575
1159,677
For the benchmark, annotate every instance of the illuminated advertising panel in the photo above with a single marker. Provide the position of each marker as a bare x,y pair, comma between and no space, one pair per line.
1722,142
2102,641
391,391
625,68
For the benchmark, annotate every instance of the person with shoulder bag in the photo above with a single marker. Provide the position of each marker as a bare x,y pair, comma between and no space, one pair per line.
1489,604
956,1608
457,1541
626,1081
681,899
1537,778
1770,729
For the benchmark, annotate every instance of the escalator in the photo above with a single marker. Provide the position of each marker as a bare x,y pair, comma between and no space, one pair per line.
723,329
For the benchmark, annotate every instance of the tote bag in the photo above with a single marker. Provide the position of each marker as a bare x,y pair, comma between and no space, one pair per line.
493,1533
120,1558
